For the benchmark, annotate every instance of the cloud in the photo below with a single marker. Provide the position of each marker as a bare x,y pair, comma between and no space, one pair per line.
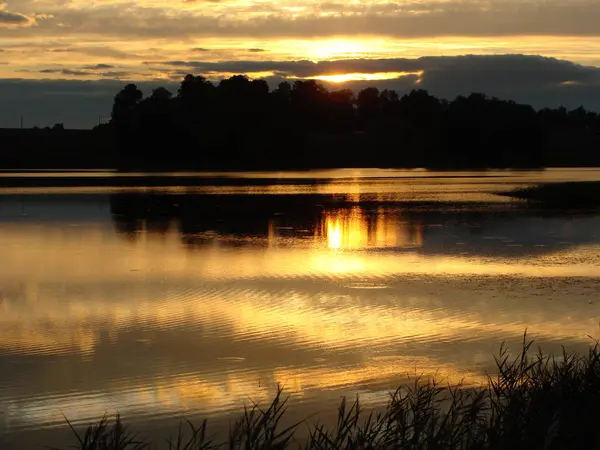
200,49
14,19
119,74
428,18
256,50
99,50
534,80
71,72
78,73
91,70
471,70
98,67
292,68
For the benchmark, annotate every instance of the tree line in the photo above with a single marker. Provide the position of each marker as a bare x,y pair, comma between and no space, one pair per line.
239,123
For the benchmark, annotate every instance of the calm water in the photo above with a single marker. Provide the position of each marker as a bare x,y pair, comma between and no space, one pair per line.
156,302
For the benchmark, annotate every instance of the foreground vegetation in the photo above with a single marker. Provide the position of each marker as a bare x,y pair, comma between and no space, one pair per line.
533,402
574,194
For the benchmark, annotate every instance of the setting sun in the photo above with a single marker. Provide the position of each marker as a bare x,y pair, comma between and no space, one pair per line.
342,78
337,48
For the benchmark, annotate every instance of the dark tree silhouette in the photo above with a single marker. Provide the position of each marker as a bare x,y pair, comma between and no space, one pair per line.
241,124
125,119
368,102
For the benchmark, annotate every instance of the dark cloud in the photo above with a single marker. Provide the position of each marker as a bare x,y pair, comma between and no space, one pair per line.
295,68
90,70
119,74
200,49
256,50
78,73
98,67
471,70
101,51
14,18
72,72
535,80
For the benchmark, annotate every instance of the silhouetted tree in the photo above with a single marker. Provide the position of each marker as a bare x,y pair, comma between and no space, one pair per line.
194,112
368,105
239,123
309,104
389,102
124,107
125,120
341,110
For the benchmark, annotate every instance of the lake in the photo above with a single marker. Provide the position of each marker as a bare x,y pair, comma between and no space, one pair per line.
197,295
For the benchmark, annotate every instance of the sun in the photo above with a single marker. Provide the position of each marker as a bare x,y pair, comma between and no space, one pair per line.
343,77
337,48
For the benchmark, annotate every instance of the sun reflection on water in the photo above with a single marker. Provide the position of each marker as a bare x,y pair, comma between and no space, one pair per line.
354,228
152,321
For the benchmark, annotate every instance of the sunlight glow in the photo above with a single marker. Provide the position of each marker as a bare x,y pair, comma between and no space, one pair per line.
354,229
334,234
341,78
251,75
144,59
338,48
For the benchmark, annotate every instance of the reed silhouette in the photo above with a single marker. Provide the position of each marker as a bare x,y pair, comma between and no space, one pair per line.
532,402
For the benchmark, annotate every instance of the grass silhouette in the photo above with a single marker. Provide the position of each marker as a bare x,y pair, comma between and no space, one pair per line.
533,401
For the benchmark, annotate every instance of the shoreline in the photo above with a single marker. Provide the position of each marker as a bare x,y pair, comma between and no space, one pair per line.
49,178
560,194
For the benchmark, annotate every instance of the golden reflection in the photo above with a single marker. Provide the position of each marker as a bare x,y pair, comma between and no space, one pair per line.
321,322
326,320
35,255
334,234
79,294
354,228
395,371
193,393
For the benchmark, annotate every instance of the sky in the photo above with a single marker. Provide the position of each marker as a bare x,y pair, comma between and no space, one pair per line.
63,60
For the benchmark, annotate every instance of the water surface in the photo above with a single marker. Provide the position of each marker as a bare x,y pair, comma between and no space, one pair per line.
191,298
